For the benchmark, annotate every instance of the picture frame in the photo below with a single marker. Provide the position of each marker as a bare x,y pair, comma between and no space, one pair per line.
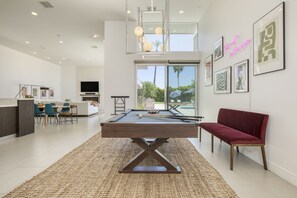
208,70
241,76
222,81
218,49
43,93
24,91
269,41
35,90
51,93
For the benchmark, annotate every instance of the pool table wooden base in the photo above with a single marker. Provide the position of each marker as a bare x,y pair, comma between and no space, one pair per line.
151,169
150,149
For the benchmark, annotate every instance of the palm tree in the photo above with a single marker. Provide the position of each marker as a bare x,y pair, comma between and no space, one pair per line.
178,70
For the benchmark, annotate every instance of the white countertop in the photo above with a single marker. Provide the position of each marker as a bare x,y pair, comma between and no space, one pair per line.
8,106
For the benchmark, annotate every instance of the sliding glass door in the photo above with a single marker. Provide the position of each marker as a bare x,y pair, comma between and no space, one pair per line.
151,86
181,88
167,87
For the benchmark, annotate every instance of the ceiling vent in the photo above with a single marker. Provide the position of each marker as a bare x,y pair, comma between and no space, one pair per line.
46,4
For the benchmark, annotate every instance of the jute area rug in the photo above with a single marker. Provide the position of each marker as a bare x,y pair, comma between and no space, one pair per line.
91,170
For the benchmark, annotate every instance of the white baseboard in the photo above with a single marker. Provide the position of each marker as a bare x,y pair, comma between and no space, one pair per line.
283,173
273,167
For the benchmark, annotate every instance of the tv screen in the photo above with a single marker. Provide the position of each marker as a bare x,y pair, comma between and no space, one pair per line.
90,86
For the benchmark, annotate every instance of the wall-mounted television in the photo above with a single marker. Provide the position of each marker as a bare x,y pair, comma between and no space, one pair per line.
89,86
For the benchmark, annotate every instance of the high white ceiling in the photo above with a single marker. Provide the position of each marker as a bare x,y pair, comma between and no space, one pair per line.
73,22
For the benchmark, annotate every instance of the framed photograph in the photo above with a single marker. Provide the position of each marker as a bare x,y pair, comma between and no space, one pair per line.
208,71
35,92
222,81
218,49
269,41
241,76
51,93
43,93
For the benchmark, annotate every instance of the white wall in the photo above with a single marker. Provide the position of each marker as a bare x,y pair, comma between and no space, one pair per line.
119,68
272,93
19,68
68,83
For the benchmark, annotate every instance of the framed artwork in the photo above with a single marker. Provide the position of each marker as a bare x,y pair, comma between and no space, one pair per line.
218,49
208,71
269,41
241,76
222,81
24,91
43,93
51,93
35,92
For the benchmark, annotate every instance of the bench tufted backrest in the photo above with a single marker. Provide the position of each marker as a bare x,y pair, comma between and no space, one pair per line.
249,122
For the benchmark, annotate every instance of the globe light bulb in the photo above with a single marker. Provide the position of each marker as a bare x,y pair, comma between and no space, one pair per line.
159,30
138,31
147,46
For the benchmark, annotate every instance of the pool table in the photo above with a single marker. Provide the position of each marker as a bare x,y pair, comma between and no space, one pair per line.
138,125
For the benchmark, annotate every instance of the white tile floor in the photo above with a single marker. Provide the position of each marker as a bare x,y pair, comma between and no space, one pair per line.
22,158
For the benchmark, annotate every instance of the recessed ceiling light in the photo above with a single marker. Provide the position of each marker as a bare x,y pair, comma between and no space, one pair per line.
34,52
61,42
48,58
95,35
34,13
128,11
181,12
27,42
64,58
60,62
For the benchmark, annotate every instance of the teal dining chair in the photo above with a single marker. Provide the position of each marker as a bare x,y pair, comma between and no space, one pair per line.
38,114
51,113
65,112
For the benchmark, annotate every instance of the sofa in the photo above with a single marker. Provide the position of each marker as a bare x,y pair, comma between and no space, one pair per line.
238,128
85,108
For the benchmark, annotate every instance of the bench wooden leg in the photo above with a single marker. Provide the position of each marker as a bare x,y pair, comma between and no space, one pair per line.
231,156
264,157
212,143
200,135
237,149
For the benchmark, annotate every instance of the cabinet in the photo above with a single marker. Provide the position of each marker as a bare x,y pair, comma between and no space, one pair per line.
18,119
8,121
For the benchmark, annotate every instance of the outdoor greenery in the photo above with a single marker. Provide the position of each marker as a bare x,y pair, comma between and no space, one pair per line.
149,90
178,70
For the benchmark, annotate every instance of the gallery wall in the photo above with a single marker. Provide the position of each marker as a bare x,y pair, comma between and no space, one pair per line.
271,93
19,68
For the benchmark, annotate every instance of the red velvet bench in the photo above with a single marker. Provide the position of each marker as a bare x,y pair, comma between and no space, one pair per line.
238,128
